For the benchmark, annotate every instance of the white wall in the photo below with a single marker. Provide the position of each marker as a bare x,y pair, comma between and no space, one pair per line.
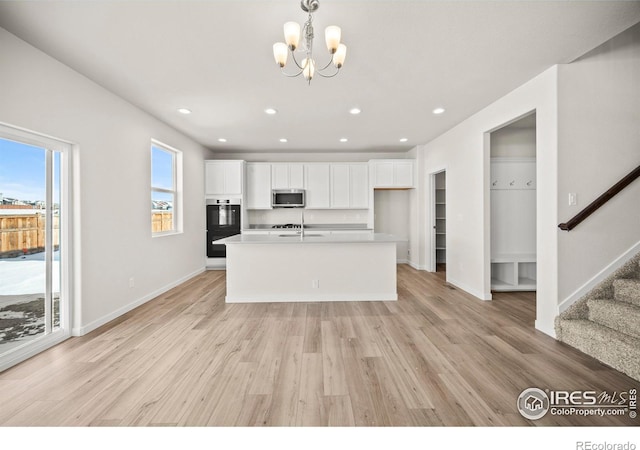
464,152
511,142
599,143
113,181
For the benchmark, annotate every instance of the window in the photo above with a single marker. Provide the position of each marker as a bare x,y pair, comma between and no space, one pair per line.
166,189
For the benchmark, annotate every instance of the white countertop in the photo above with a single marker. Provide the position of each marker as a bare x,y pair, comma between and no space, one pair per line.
311,238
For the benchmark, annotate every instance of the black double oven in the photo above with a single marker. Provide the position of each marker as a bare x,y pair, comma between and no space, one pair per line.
223,220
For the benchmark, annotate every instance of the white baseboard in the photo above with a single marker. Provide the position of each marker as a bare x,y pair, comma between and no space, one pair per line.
81,331
216,263
546,328
467,289
599,277
416,265
314,298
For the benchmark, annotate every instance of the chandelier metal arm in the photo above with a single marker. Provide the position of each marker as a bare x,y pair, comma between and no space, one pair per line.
293,56
327,65
291,75
328,76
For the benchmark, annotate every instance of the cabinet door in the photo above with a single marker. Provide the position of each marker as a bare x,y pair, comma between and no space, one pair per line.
359,186
403,174
214,178
279,176
317,185
258,186
296,176
340,186
383,174
233,178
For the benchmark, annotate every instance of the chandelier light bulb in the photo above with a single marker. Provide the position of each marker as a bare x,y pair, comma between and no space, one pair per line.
280,53
308,68
332,38
292,34
340,55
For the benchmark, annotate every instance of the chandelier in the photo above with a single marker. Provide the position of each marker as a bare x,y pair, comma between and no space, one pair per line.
308,66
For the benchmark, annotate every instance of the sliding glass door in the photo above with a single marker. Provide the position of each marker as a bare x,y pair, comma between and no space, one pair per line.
34,301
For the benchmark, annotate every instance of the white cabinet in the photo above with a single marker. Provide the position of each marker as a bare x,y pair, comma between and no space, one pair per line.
392,173
258,186
359,186
349,186
287,176
317,185
223,177
340,182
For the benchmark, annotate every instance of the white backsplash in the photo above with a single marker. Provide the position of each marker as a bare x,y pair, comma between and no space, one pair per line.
311,216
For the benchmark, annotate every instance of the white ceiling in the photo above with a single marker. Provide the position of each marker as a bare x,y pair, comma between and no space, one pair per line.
404,59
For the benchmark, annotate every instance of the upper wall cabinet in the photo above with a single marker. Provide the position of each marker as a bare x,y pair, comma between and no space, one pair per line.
317,183
258,186
392,173
223,177
349,186
287,176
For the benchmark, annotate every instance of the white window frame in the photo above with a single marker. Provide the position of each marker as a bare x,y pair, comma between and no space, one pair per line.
69,242
176,189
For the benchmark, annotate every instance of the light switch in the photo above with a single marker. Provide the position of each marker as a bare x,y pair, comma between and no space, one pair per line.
573,199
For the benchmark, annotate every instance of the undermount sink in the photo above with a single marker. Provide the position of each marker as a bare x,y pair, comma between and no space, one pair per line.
297,235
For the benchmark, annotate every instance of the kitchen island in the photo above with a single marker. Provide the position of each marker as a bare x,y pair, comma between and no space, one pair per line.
313,268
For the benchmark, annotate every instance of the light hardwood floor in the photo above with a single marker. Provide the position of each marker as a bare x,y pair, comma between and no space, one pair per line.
437,356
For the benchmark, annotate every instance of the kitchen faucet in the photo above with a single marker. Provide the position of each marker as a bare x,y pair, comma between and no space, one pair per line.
301,224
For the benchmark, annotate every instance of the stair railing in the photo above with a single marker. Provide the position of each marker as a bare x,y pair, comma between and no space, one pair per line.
604,198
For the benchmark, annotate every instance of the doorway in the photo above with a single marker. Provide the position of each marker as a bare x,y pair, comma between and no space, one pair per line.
438,259
513,206
34,244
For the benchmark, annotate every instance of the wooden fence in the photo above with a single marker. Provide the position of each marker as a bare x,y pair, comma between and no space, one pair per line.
161,221
25,233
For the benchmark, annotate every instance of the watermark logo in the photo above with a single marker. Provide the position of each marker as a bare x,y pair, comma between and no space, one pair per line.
533,403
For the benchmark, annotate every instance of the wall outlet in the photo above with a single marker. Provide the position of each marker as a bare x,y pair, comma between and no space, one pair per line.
132,282
315,284
573,199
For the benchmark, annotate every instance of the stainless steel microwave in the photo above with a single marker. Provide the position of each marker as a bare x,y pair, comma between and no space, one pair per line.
287,198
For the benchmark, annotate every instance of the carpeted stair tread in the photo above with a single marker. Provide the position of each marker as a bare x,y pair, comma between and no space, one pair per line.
619,316
618,350
627,290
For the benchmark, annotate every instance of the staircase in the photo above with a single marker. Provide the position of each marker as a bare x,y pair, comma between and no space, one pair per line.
606,322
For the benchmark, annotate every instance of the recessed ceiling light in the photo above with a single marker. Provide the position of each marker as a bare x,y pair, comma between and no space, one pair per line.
355,111
438,110
271,111
222,140
283,140
344,140
184,111
403,139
